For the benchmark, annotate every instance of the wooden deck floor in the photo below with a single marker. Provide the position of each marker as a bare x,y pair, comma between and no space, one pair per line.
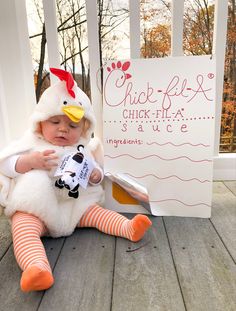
181,264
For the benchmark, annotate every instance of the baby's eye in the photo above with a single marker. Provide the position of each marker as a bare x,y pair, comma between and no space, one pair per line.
54,121
73,125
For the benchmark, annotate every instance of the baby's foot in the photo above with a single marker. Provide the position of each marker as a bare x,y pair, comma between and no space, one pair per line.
139,225
34,279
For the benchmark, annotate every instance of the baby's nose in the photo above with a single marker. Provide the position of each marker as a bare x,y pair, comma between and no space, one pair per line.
63,128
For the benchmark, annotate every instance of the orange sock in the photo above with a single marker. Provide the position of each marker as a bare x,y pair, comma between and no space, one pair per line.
30,253
139,224
34,279
113,223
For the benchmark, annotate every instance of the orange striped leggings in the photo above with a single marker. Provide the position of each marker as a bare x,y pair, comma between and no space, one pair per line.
27,230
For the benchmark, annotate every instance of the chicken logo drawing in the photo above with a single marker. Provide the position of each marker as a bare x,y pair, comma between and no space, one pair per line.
116,78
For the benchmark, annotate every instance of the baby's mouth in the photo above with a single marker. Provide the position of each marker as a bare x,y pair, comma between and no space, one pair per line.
61,138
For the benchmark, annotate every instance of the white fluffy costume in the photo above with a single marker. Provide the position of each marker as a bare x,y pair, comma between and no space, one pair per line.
35,192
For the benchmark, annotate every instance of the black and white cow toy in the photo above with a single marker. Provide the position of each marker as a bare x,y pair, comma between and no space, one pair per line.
70,179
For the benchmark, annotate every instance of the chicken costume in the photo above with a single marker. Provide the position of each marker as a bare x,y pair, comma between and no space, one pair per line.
37,207
35,192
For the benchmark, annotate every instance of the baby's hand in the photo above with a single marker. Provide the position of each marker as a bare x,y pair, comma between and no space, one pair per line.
44,160
95,176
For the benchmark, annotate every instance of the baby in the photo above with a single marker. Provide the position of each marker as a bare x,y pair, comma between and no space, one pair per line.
62,120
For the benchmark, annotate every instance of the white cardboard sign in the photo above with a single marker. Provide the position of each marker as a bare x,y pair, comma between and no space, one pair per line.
159,129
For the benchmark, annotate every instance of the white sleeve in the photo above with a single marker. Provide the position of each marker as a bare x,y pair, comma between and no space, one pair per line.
8,166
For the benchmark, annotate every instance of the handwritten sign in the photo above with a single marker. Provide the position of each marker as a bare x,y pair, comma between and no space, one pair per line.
159,129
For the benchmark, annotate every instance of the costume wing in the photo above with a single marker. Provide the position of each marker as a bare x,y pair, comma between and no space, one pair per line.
16,147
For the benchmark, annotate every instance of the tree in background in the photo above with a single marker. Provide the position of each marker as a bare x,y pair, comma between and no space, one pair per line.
230,62
156,42
156,39
228,120
198,27
197,32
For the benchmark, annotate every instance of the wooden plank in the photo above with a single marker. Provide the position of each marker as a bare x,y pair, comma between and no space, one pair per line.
11,297
224,215
83,274
231,185
145,279
5,235
206,271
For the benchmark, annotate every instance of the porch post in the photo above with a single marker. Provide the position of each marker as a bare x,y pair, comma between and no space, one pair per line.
17,96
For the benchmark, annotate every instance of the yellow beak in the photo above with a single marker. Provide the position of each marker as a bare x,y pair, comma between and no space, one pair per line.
75,113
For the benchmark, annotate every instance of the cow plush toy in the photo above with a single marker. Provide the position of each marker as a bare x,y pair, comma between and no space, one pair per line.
70,178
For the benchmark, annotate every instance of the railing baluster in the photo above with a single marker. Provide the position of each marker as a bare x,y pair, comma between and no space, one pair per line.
219,46
49,8
94,63
134,7
17,96
177,10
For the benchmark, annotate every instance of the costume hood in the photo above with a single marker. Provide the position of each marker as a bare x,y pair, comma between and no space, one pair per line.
64,98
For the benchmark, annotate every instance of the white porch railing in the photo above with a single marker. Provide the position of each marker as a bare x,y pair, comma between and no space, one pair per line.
16,74
17,96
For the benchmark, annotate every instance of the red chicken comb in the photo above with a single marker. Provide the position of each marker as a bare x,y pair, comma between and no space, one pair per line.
65,76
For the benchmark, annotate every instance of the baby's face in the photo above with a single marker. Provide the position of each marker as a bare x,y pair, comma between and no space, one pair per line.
61,131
